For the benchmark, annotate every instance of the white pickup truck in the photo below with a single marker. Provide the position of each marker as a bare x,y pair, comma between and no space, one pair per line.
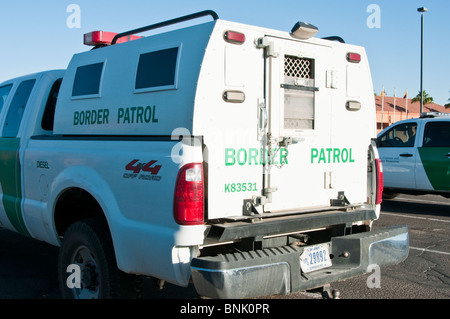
238,157
416,154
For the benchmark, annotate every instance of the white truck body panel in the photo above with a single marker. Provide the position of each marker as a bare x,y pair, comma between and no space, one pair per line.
233,127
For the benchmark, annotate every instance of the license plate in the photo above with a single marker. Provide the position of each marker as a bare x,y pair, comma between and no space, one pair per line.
315,257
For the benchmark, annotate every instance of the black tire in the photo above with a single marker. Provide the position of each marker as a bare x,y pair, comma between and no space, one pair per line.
87,244
389,195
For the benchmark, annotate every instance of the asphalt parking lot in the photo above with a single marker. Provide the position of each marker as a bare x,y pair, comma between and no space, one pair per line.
28,267
425,274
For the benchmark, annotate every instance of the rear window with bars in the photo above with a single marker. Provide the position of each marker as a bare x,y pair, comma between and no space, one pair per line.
298,100
296,67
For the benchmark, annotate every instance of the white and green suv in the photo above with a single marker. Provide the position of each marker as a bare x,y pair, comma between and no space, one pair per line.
416,155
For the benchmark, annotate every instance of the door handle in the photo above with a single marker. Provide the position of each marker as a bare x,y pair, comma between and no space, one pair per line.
263,117
408,155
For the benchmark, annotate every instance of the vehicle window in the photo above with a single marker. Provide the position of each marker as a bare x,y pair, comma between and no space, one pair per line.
402,135
298,93
87,80
4,92
16,109
437,134
157,69
49,113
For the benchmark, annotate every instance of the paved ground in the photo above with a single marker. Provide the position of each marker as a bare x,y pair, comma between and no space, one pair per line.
28,267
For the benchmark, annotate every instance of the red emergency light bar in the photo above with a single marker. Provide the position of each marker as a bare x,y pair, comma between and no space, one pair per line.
95,38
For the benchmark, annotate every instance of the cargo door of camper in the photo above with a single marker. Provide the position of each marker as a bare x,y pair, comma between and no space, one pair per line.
297,174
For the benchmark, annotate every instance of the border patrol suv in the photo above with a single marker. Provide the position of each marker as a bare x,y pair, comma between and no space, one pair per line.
220,153
416,155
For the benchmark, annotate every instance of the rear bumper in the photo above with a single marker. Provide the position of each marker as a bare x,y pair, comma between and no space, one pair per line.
277,270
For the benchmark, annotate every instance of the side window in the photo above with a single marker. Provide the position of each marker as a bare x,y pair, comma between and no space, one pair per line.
4,92
16,109
87,81
437,134
49,113
157,70
402,135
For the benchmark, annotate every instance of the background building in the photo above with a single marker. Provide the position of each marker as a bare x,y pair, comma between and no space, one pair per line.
404,108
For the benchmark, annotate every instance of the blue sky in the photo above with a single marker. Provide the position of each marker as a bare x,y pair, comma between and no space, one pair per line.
35,36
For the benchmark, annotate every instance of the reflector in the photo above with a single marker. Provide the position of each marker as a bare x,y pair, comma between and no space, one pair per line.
353,105
353,57
234,37
234,96
379,177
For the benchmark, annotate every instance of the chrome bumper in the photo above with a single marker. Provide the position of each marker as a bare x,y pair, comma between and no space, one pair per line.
277,270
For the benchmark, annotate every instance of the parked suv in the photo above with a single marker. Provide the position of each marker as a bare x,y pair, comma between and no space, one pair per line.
416,155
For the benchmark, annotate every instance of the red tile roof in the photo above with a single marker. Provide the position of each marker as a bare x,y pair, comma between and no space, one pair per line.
400,105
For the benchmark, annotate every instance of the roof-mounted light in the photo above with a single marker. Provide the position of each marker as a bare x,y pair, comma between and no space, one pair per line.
303,30
96,38
433,114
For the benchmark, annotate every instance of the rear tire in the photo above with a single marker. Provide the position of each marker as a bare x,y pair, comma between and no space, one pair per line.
389,195
87,266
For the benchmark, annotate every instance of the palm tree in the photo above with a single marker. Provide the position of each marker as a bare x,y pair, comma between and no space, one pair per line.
448,104
426,98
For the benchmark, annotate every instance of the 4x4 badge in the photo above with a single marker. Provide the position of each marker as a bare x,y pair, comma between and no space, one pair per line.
135,166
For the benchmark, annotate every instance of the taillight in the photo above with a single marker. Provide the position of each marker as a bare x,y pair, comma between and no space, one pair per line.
188,206
379,177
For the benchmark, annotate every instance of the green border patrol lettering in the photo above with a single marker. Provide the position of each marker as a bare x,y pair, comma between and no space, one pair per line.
331,155
254,156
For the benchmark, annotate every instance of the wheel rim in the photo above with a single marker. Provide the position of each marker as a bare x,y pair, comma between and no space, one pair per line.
89,286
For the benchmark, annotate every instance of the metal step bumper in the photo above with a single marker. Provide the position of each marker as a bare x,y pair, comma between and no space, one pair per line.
277,270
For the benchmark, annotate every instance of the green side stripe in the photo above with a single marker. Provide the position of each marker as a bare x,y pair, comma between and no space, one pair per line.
437,166
11,182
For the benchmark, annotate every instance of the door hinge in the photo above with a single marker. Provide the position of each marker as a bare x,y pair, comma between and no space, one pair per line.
264,199
267,45
340,201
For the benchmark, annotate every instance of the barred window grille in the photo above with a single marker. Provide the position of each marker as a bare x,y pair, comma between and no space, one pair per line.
296,67
298,103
